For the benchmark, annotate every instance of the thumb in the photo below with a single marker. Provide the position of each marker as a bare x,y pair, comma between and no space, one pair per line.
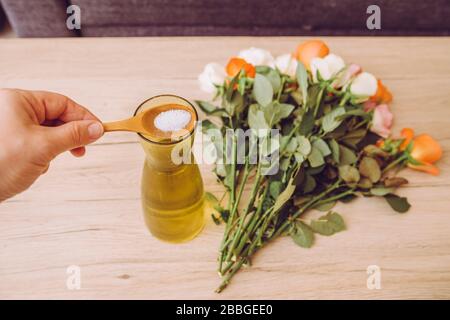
72,135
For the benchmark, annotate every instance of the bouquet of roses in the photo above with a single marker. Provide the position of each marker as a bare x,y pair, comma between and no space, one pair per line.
325,127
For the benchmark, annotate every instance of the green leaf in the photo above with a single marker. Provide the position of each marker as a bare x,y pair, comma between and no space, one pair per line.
321,146
302,79
327,206
395,182
309,184
256,119
292,145
275,188
262,90
349,174
334,146
346,155
274,112
211,199
372,151
205,106
302,234
285,195
208,125
307,123
299,158
399,204
365,183
285,110
284,165
369,168
315,158
354,137
304,146
275,80
330,120
328,224
381,191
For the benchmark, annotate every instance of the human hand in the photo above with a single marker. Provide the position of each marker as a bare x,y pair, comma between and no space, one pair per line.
36,126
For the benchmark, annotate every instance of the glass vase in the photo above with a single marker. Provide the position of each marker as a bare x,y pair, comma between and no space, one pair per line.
172,193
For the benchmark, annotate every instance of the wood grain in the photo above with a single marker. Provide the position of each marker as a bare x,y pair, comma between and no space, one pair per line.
86,212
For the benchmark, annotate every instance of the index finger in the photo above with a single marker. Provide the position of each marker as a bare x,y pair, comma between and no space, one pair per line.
55,106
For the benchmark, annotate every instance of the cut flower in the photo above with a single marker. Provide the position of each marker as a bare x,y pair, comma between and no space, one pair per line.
326,67
424,151
257,57
213,75
287,64
309,50
235,65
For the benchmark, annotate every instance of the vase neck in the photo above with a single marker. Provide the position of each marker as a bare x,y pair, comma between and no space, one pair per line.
168,157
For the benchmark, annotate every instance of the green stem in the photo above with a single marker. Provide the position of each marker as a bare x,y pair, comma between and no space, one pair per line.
232,196
344,99
336,197
251,224
281,89
244,214
250,250
395,162
318,101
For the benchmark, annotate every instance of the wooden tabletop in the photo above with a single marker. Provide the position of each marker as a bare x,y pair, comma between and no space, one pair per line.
86,212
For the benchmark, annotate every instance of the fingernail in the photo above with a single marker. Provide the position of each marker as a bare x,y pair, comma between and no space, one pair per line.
95,130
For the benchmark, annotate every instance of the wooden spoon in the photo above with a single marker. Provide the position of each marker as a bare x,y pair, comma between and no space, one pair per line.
138,123
143,123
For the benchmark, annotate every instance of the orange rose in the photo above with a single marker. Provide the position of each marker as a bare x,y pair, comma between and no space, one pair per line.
235,65
308,50
425,150
383,95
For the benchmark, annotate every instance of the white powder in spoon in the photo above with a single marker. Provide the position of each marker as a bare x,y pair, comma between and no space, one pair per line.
172,120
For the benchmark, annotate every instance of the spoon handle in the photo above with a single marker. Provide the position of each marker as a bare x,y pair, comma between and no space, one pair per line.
122,125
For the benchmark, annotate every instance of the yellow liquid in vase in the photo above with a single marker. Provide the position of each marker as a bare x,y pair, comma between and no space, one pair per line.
173,202
171,192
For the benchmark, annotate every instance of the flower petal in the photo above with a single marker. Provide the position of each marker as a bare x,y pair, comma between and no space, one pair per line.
286,64
309,50
382,120
426,149
213,74
364,85
425,167
257,57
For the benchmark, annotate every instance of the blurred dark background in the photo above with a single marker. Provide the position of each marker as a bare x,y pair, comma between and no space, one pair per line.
47,18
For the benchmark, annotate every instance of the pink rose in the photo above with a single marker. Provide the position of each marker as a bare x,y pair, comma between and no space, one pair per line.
369,105
347,74
382,120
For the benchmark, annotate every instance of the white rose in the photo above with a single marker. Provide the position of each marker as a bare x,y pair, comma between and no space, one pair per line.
287,64
328,66
213,74
364,85
257,57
